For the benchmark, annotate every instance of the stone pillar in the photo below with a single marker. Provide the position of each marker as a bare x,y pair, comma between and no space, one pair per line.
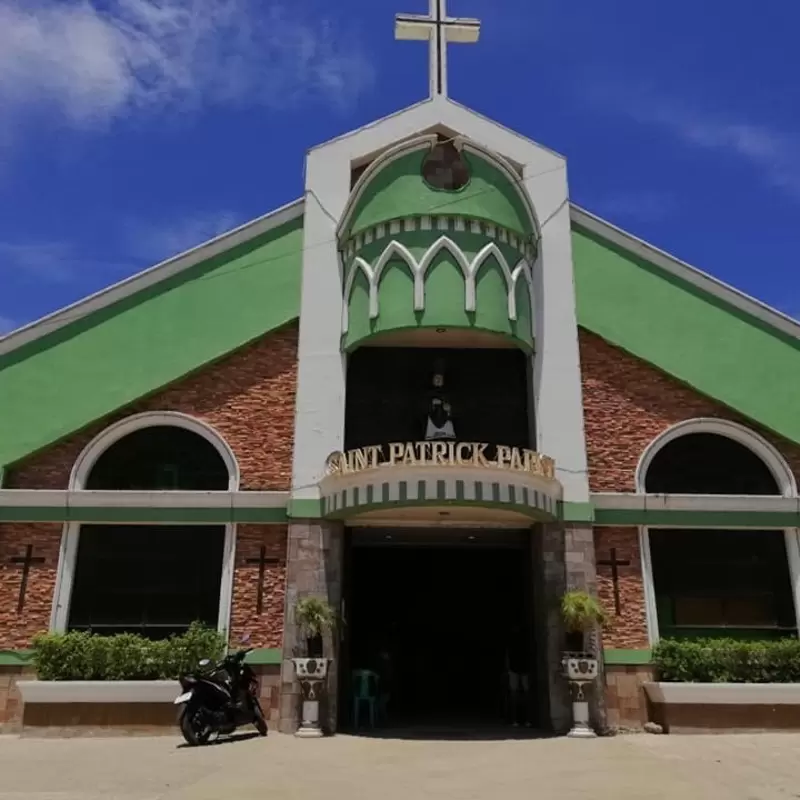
549,586
582,575
564,560
313,568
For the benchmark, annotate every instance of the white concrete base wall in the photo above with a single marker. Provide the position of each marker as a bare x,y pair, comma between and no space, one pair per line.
743,694
99,691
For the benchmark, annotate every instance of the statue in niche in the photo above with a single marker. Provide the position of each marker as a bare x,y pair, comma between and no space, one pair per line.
440,422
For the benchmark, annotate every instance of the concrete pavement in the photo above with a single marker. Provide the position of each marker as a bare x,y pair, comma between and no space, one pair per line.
644,767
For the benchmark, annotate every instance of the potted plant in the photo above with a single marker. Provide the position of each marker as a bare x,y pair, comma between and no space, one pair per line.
314,617
582,614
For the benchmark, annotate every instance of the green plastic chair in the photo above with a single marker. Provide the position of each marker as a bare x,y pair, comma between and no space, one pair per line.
365,690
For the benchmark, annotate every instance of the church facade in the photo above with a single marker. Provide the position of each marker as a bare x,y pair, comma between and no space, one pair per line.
434,392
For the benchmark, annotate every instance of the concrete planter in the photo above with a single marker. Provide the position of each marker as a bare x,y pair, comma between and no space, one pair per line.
580,669
312,674
98,691
705,707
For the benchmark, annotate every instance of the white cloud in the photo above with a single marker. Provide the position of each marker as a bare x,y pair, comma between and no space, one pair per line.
49,261
96,61
157,242
772,153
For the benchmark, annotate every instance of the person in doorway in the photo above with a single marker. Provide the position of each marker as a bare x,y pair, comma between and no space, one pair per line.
518,676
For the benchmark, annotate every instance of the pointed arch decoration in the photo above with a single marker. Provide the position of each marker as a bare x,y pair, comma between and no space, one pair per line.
419,268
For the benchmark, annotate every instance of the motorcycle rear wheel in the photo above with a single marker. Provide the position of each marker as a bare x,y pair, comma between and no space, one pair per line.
193,728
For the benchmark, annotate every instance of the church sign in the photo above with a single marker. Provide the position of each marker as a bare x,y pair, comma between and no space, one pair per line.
440,454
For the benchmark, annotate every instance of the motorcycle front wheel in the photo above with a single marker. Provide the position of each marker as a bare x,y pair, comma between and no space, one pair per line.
258,719
195,729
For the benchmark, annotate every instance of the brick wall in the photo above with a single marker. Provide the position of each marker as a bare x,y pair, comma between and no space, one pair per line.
627,403
626,703
10,698
266,628
16,630
248,397
629,629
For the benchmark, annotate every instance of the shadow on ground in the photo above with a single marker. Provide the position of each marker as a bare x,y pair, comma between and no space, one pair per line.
438,734
232,739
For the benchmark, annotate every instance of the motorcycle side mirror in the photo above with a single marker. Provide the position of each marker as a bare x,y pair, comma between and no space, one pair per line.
204,662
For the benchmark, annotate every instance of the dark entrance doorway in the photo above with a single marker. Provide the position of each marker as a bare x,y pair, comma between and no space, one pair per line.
434,614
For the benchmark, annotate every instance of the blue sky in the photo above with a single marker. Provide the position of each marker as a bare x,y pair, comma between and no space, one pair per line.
133,129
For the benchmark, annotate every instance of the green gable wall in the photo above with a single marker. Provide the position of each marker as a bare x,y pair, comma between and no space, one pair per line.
87,369
689,334
90,368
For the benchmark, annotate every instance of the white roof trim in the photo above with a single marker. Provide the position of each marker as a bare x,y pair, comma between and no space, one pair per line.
686,272
149,277
376,166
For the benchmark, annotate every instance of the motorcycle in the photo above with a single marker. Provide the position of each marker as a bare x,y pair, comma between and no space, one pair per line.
218,700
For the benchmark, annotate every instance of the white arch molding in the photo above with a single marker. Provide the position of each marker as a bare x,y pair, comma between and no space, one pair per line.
70,537
757,444
151,419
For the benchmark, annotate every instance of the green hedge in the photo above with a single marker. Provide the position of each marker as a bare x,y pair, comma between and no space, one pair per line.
80,656
727,661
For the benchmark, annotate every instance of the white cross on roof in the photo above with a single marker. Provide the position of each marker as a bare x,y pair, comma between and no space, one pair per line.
438,29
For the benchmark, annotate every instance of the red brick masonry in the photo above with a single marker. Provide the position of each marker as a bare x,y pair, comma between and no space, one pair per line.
266,628
17,630
629,629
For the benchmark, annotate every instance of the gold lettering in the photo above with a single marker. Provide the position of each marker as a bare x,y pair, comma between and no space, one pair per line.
516,458
533,462
424,449
375,452
396,450
359,459
334,464
548,467
451,454
478,457
462,459
409,455
440,454
503,455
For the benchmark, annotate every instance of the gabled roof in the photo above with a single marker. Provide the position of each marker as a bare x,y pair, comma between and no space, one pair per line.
82,363
705,333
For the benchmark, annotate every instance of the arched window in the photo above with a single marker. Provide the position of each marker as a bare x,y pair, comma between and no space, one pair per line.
710,581
151,579
708,463
158,458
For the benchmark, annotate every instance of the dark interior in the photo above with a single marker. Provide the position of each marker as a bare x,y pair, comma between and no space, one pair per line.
707,463
150,579
389,390
444,613
718,580
161,457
